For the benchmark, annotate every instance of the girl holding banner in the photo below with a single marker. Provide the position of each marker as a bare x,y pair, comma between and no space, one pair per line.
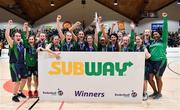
136,45
31,60
55,45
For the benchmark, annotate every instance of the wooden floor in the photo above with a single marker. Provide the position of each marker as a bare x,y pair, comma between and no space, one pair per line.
169,101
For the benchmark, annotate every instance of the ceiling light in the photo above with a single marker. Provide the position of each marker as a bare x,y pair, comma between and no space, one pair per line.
178,2
52,3
115,3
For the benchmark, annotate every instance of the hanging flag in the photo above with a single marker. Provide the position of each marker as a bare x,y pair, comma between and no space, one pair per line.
97,22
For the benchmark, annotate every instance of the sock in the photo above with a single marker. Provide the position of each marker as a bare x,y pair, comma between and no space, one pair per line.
15,94
20,91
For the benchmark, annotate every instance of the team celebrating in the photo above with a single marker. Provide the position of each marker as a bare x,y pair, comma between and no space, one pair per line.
24,48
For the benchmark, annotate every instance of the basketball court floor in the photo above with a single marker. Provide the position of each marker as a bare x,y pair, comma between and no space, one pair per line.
169,101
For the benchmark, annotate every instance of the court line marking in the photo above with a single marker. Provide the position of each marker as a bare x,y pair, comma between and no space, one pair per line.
172,69
22,104
33,104
61,105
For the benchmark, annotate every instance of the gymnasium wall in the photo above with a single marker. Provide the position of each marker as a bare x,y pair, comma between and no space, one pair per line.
5,16
74,11
173,11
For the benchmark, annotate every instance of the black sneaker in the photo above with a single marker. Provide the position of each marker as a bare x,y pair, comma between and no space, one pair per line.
21,95
15,98
154,94
158,96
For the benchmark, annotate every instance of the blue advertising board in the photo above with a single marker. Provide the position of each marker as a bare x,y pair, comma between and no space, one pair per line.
156,26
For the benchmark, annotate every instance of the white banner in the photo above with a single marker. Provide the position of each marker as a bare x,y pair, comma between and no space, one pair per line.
91,76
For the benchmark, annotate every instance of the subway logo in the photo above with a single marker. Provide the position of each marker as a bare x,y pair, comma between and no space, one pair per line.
89,68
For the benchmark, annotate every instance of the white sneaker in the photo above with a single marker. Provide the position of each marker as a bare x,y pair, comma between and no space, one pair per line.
145,96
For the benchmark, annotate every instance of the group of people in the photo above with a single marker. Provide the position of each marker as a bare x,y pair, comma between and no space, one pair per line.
24,48
174,39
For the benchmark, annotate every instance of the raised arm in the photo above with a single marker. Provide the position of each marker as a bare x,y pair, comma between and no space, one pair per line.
26,29
74,26
96,37
71,29
75,38
7,33
132,37
112,28
25,34
38,33
165,30
105,35
59,28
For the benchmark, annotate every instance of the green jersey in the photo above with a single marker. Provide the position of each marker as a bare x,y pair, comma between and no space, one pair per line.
91,49
131,44
31,54
101,47
16,53
158,48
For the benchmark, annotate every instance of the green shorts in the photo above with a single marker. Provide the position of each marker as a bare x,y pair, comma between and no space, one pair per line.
158,67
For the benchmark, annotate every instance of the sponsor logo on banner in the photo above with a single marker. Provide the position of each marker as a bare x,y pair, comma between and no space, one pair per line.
132,94
82,93
53,93
89,68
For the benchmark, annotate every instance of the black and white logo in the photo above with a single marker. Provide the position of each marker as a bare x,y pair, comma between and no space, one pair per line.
133,94
127,95
54,93
60,92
